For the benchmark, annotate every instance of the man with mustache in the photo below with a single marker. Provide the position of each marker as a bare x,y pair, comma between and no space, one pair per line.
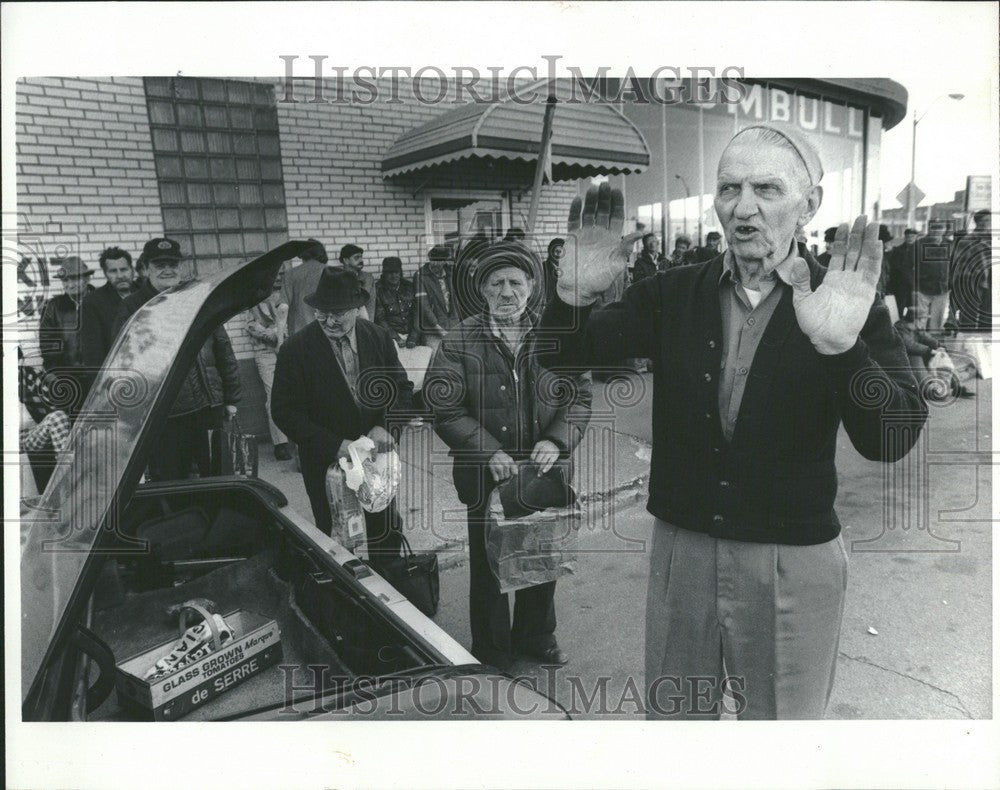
353,257
100,308
759,356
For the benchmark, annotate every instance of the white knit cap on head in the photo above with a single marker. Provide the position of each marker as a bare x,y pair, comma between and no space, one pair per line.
803,147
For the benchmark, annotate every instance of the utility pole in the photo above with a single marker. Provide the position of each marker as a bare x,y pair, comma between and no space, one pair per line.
911,206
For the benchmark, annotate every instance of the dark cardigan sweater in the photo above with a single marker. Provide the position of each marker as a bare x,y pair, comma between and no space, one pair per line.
776,481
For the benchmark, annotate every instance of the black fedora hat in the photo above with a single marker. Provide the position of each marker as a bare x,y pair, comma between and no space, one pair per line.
338,289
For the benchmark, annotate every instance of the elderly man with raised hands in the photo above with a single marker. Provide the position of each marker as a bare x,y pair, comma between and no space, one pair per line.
759,355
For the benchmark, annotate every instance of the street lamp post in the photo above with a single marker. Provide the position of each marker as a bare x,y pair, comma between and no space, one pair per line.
910,203
687,191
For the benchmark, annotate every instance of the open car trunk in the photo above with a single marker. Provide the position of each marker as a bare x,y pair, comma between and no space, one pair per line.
224,544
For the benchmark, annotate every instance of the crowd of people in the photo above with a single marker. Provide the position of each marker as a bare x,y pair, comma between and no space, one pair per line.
945,275
484,308
325,328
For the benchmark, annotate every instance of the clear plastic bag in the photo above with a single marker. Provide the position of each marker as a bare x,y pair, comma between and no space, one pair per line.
527,542
372,476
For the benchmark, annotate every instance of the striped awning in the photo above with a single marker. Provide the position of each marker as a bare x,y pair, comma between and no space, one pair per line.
588,137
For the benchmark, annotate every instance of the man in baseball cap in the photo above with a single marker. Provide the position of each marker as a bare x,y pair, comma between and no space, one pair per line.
211,388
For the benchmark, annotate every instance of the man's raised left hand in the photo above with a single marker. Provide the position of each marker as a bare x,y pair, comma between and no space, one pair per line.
832,316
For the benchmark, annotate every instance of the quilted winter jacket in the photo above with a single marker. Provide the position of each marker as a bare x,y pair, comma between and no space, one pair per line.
482,405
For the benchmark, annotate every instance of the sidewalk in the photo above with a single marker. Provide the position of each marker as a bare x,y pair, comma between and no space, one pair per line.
916,638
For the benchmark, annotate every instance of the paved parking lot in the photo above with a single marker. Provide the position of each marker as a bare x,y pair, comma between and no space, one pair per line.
917,630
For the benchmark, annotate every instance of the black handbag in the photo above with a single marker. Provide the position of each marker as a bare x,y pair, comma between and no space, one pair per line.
415,575
237,450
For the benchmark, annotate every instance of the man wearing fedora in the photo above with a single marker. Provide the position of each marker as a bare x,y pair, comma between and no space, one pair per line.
393,300
211,388
60,337
435,308
335,381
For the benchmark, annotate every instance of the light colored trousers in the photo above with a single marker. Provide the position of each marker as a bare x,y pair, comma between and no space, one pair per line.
771,613
266,359
932,310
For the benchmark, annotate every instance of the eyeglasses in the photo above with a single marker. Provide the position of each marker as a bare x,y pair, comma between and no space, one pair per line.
323,315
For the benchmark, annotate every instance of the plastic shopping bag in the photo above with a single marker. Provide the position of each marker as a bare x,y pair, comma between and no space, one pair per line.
372,476
529,542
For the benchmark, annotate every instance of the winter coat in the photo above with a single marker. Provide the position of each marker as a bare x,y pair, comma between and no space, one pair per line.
214,378
432,314
484,400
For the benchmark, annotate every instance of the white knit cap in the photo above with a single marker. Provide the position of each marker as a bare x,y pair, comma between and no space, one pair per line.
803,147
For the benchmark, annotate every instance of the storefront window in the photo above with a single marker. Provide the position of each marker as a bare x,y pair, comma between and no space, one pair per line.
687,141
873,181
452,216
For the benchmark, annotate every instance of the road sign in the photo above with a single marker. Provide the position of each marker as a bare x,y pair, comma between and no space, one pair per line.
978,193
909,190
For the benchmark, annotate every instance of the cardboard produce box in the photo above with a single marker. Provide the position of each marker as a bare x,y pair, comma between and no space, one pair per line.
256,645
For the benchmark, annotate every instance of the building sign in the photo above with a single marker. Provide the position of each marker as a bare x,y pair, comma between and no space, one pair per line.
978,193
811,114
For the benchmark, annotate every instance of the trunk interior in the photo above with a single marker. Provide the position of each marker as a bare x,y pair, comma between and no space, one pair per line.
226,545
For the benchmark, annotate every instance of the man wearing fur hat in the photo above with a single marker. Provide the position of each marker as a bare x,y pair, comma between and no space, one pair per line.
494,408
393,300
759,356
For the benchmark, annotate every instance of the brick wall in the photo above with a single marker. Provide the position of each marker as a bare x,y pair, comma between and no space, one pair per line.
87,181
85,175
334,190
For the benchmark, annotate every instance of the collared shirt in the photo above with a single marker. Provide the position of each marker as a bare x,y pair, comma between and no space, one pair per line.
524,325
745,315
345,349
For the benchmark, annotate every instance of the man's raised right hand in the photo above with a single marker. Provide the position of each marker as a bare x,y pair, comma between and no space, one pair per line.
600,254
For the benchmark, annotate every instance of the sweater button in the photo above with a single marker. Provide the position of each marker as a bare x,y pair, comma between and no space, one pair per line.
503,387
718,519
708,377
724,483
711,344
503,428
